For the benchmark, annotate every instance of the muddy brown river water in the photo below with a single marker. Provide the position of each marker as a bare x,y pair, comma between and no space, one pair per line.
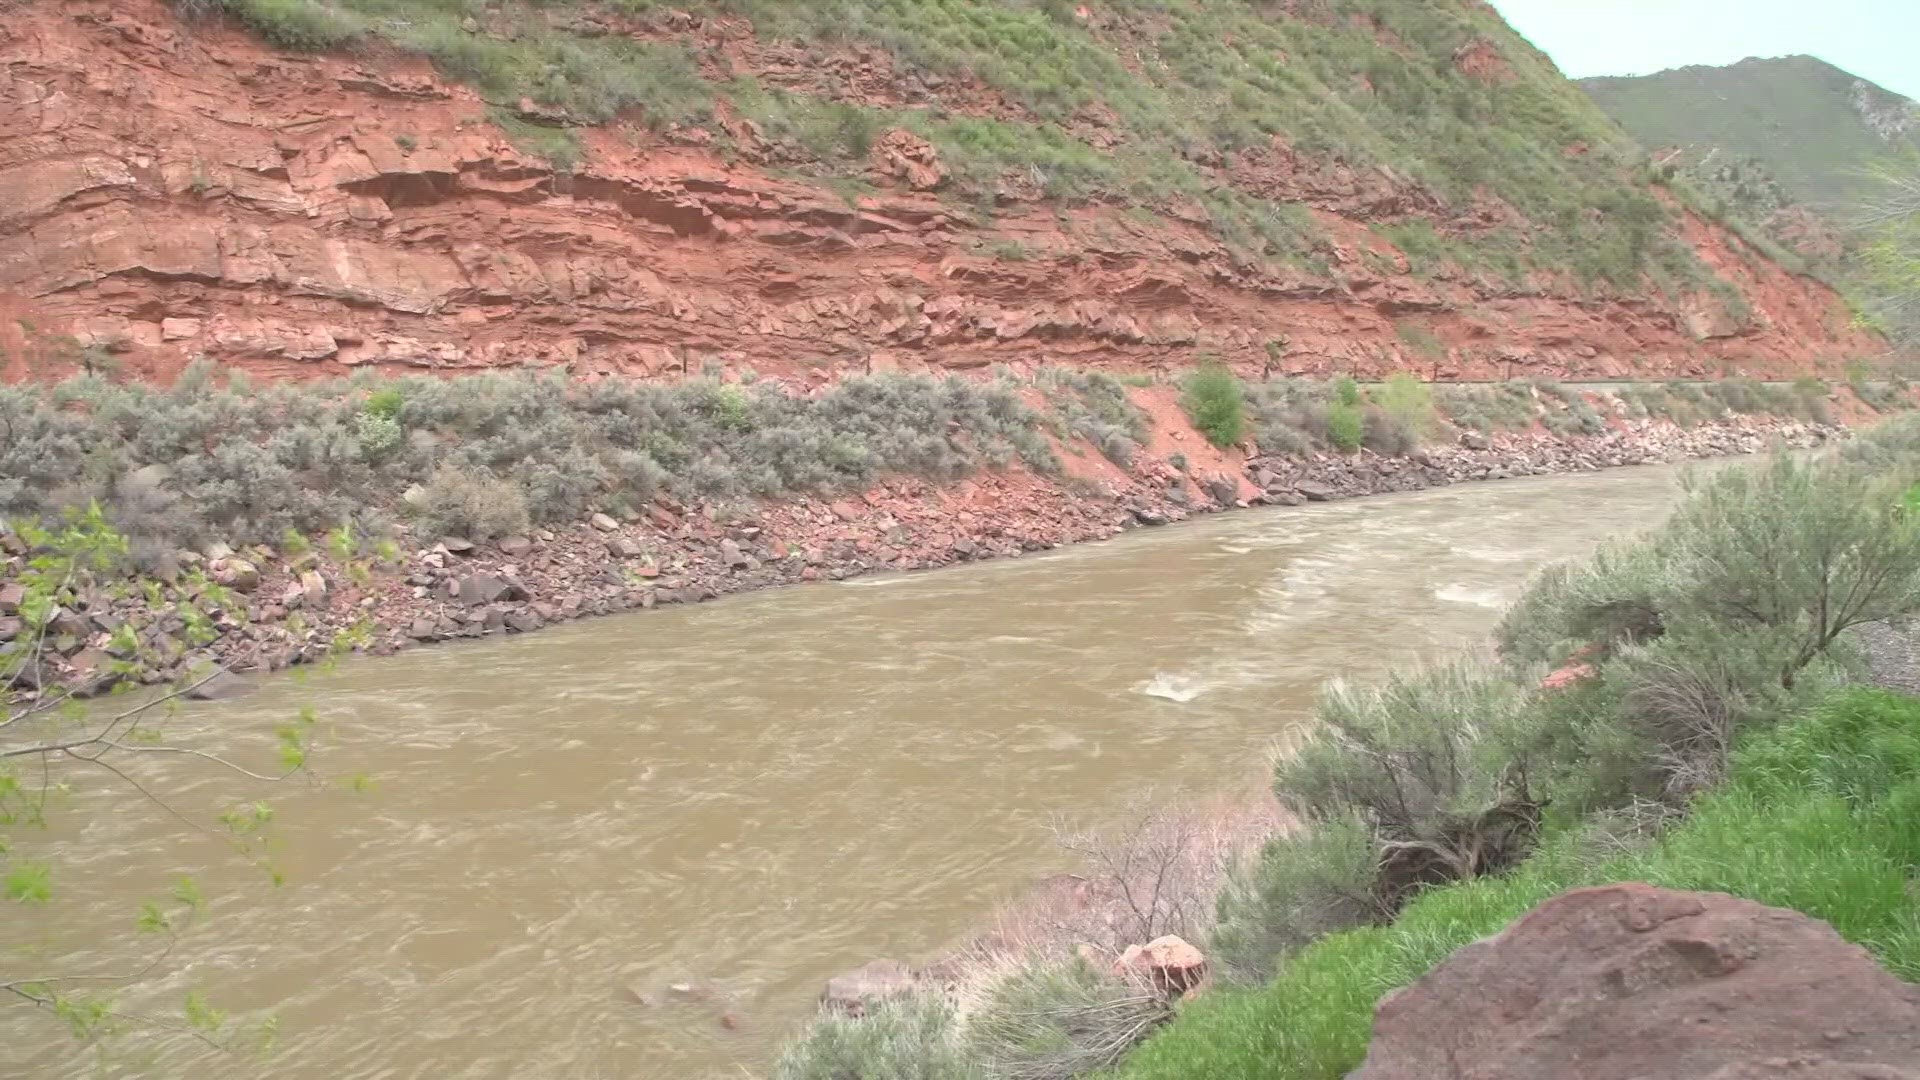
746,796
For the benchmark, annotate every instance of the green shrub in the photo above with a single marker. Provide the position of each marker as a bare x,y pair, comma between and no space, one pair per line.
387,402
1421,340
1409,403
301,25
1346,427
910,1039
1060,1020
474,505
1507,406
1384,433
1346,391
1097,408
1216,403
1301,887
1437,764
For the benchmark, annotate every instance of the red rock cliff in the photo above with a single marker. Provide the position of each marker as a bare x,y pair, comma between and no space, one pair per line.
174,191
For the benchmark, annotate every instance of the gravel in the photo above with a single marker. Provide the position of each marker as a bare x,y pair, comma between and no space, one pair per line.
1892,654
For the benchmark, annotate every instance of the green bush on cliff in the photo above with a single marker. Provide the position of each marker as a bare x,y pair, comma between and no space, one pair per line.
1409,404
1216,403
301,25
1346,428
1821,815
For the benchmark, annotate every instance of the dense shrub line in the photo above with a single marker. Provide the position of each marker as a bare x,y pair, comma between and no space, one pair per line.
214,456
489,454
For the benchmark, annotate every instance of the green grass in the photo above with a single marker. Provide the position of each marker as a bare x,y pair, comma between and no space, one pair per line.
1184,84
1821,815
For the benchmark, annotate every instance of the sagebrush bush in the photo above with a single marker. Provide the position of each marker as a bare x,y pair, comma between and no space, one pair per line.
1216,402
1618,595
1059,1020
1096,407
1808,547
1384,433
1302,886
907,1039
1507,406
459,502
1439,764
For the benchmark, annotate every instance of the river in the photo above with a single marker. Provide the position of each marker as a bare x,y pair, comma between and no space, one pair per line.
747,796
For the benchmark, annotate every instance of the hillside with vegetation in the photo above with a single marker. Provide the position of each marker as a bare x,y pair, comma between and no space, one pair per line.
1316,187
1812,128
1789,146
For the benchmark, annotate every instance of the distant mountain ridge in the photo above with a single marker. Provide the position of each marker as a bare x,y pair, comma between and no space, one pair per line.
1810,126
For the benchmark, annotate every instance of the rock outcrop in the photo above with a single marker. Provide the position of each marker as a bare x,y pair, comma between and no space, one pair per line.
177,190
1632,982
1169,964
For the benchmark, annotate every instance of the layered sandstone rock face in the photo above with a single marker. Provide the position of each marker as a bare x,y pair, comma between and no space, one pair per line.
176,190
1638,983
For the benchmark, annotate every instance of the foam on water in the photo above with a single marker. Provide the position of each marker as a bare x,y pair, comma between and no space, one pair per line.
1457,593
1173,687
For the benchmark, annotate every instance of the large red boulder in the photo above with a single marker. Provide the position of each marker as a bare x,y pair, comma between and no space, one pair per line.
1631,982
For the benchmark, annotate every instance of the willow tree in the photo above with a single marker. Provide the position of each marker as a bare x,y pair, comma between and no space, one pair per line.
52,741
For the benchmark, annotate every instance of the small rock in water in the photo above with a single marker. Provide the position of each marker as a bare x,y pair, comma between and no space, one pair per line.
867,986
222,686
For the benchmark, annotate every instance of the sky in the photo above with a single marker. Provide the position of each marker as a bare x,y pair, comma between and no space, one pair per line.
1878,40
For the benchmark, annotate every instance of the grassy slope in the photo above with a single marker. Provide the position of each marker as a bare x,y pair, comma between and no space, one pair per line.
1793,114
1822,816
1371,83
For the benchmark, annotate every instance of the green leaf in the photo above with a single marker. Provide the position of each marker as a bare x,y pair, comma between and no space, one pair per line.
152,920
30,883
201,1015
187,891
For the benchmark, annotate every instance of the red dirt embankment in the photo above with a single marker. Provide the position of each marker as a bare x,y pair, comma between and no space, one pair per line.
178,190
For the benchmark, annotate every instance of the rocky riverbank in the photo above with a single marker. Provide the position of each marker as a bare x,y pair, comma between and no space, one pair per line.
279,608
